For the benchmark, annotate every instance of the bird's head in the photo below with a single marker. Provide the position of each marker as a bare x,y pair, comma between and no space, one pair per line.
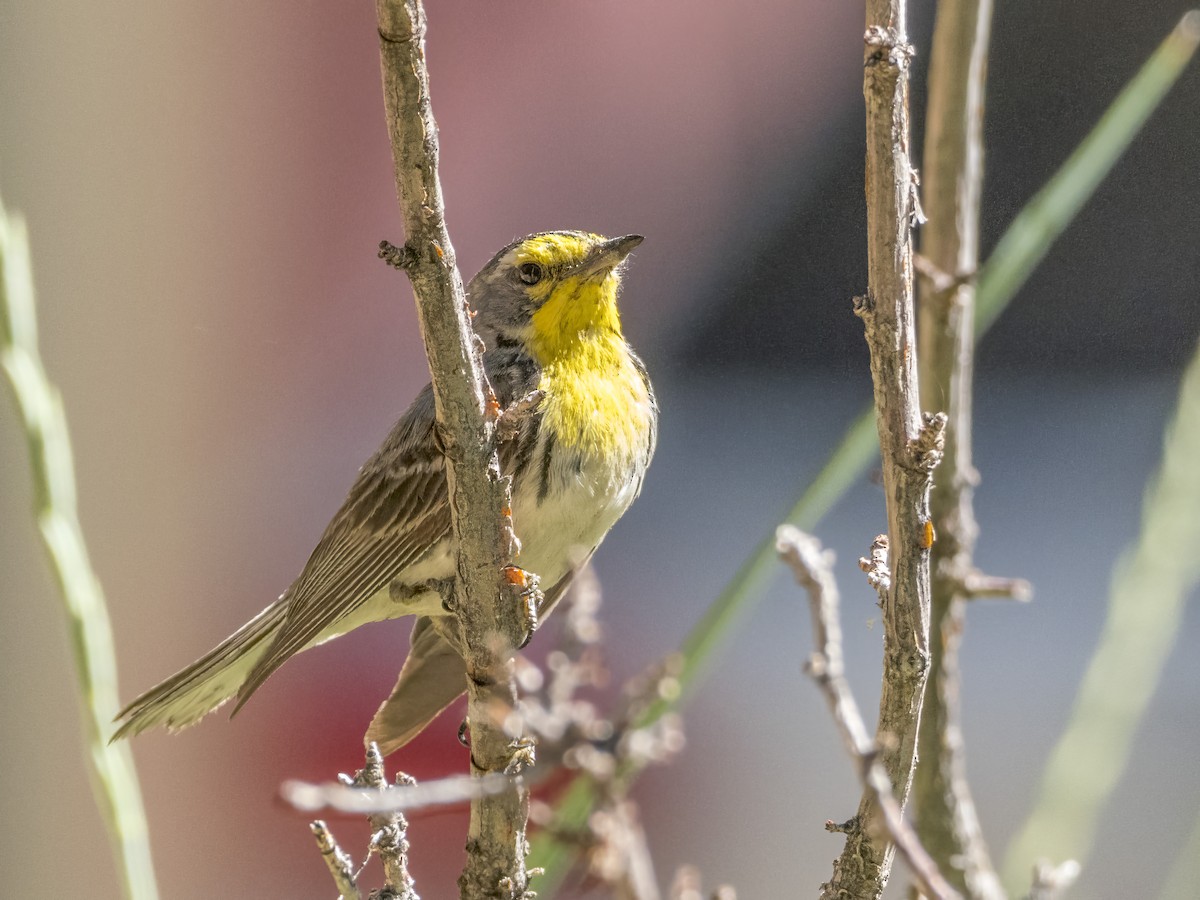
549,291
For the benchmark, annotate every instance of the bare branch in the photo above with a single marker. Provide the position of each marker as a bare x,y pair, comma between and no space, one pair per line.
813,568
341,866
389,836
620,856
350,800
491,621
978,586
953,181
609,750
910,444
389,830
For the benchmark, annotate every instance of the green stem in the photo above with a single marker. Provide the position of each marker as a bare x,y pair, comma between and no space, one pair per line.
1051,210
113,776
1149,591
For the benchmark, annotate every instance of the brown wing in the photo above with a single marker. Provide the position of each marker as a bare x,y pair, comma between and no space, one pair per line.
396,512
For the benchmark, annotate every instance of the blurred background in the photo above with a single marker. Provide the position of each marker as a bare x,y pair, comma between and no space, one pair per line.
205,186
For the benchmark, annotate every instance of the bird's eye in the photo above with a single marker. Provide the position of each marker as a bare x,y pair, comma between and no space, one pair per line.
530,273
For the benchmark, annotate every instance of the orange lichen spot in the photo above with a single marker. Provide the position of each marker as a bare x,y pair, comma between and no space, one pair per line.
516,575
506,512
928,534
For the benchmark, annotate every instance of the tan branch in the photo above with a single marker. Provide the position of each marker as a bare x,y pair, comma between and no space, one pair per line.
337,860
910,443
490,619
389,830
389,835
350,800
952,186
813,568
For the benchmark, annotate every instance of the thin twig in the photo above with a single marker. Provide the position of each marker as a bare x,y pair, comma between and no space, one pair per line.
952,186
337,860
813,568
491,622
114,778
389,833
389,830
978,586
451,791
910,443
621,856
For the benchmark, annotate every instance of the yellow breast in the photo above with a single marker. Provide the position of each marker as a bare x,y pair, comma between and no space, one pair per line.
596,400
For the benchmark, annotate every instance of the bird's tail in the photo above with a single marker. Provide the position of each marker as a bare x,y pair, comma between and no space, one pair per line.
192,693
433,677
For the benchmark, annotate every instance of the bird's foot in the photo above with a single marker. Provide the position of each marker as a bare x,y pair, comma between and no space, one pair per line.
523,755
512,419
531,598
416,594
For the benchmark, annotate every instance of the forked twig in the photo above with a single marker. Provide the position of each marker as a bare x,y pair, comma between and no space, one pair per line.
813,568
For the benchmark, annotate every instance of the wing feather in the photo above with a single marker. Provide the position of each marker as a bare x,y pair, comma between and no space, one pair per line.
397,511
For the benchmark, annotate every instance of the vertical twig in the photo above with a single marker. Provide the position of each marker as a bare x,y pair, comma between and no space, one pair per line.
114,778
952,182
909,443
389,830
491,627
337,860
813,567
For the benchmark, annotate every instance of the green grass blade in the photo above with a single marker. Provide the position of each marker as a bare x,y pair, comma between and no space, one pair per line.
114,779
858,447
1149,590
1051,210
1151,583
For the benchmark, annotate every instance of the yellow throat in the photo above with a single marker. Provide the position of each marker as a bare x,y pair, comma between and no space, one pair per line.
596,401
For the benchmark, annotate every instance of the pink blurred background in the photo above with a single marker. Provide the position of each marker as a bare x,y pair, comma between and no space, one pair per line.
206,185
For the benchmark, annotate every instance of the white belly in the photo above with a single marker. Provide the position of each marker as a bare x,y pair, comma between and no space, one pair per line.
586,499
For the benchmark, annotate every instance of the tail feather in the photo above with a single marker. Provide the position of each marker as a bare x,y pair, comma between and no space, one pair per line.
433,677
192,693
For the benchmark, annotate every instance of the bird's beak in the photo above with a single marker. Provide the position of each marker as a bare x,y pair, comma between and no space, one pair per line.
608,255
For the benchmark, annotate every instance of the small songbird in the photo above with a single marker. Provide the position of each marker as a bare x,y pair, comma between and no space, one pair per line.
546,310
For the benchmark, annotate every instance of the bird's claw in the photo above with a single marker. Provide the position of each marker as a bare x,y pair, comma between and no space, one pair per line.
510,420
531,598
523,754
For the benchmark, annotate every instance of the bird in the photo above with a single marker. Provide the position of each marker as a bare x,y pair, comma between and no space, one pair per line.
546,310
